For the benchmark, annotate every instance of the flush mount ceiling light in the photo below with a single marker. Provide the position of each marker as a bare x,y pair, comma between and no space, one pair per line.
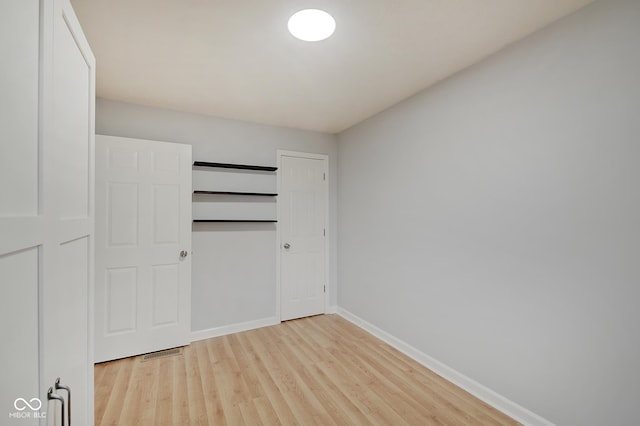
311,25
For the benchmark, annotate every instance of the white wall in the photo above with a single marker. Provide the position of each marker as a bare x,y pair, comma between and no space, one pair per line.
234,265
493,221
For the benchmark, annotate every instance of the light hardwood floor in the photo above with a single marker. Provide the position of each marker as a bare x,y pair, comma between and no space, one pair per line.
319,370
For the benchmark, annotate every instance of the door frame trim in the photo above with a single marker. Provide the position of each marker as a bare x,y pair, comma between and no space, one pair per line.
311,156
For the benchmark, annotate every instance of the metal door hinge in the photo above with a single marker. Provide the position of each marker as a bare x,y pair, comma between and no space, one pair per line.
324,176
324,288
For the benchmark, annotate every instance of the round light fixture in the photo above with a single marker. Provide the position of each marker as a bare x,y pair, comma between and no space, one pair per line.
311,25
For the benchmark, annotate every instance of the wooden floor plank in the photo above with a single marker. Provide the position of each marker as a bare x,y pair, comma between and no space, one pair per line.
208,386
164,400
180,401
195,395
305,359
267,414
111,406
252,346
105,376
320,370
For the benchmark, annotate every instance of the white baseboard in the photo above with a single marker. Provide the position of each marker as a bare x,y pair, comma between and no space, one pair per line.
233,328
333,309
481,392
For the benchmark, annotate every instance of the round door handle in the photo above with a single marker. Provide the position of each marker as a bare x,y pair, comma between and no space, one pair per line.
183,254
287,246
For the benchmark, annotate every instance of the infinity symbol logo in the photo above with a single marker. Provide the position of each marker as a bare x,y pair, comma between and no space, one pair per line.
35,401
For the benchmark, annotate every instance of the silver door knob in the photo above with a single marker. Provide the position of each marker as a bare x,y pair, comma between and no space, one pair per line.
183,254
287,246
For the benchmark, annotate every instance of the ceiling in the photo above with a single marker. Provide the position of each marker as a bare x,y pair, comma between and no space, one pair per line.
236,59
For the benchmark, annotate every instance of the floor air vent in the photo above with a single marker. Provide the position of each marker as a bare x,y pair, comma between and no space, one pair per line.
161,354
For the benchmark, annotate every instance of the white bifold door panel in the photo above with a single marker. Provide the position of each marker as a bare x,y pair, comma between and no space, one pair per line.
302,220
143,246
47,81
20,225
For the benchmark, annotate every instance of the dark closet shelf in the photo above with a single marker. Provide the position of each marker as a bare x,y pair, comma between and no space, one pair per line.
233,220
260,194
234,166
245,167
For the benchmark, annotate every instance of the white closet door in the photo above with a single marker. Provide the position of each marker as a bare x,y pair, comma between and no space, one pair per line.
302,206
46,209
143,252
19,193
68,202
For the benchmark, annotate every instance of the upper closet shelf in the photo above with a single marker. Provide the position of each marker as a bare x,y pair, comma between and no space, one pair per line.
234,166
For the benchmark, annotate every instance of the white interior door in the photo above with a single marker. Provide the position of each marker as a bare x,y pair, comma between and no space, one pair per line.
143,246
302,220
20,241
69,186
46,210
